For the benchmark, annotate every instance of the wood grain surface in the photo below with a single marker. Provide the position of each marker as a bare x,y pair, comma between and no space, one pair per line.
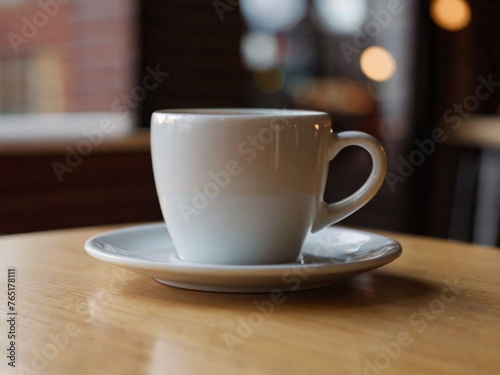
435,310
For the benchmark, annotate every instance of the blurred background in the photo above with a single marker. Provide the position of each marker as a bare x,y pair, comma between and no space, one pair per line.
79,80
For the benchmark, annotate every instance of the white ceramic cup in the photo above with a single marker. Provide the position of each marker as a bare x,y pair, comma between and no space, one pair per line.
245,186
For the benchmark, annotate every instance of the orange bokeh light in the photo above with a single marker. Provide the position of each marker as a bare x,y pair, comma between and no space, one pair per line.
451,15
377,63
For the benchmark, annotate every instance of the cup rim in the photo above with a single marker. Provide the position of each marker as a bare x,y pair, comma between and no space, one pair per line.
240,112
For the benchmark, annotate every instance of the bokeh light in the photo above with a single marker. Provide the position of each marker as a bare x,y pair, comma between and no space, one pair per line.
377,63
259,50
341,16
273,15
269,81
451,15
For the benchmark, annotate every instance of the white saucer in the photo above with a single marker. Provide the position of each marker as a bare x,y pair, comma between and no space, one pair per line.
326,257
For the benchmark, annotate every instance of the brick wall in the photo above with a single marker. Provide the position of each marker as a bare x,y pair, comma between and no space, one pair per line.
88,46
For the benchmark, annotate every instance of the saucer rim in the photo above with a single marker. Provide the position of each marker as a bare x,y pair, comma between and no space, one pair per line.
393,251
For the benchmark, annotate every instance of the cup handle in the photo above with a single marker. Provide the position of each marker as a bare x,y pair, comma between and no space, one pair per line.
328,214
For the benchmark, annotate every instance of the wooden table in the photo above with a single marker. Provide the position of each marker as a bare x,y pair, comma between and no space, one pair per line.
435,310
